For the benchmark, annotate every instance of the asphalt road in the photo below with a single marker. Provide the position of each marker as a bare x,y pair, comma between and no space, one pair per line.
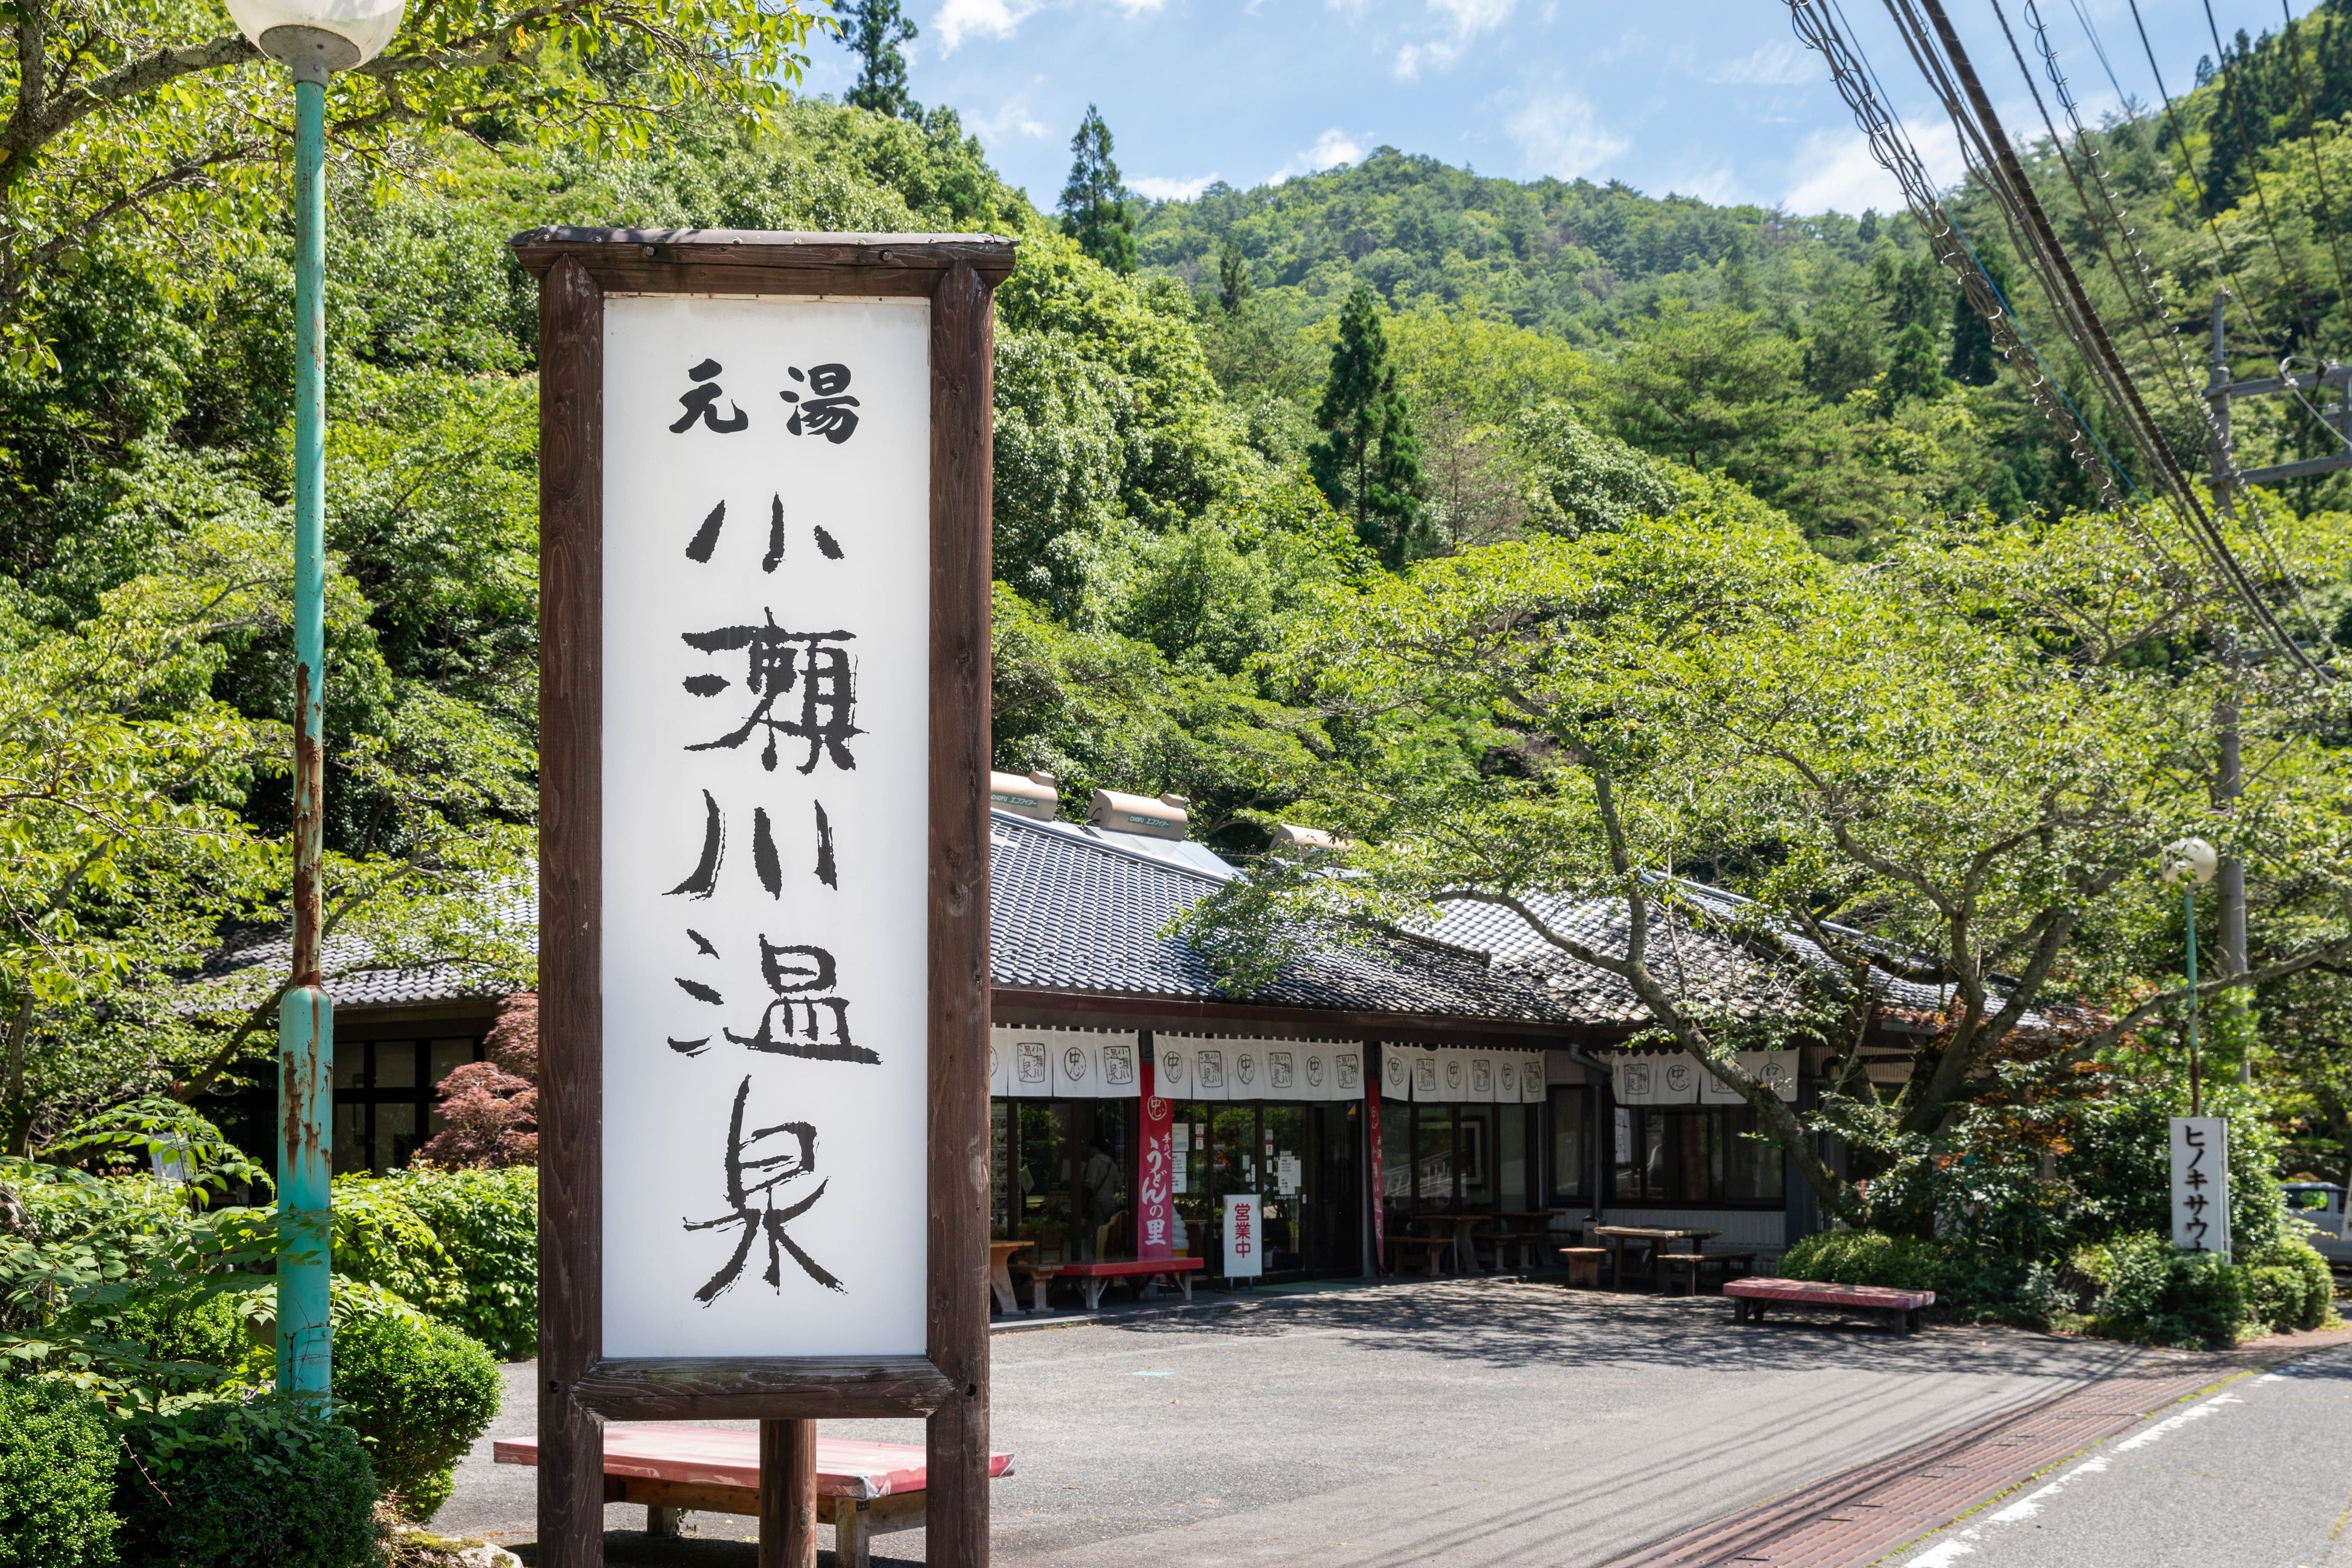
2255,1474
1459,1422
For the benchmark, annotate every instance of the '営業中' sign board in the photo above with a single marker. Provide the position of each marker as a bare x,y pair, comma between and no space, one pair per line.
764,524
2200,1183
1245,1236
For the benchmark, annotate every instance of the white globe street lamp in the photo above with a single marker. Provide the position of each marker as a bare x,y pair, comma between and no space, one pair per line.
313,37
334,35
2189,863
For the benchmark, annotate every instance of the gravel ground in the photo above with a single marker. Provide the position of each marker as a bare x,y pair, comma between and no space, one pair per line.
1462,1422
2257,1474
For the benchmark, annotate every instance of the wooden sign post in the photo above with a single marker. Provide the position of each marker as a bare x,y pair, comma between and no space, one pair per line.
764,500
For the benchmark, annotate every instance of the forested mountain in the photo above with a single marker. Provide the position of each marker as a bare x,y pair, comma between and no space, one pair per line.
1825,362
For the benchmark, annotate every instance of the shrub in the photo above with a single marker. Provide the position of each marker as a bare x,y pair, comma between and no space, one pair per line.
271,1480
463,1245
56,1477
418,1393
1870,1257
2151,1291
2288,1285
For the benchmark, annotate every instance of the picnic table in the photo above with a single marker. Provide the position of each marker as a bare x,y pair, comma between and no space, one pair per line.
1654,1236
864,1489
1455,1229
1531,1233
999,1277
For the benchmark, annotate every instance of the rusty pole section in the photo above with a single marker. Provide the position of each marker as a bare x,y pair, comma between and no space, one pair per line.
306,1020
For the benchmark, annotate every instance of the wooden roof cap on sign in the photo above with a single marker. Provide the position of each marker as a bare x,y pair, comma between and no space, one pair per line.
729,260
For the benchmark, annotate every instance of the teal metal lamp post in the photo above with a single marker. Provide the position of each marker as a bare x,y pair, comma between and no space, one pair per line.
2189,863
314,37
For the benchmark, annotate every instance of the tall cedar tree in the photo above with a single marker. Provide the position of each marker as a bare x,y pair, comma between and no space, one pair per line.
1233,275
1367,465
1973,355
876,31
1095,211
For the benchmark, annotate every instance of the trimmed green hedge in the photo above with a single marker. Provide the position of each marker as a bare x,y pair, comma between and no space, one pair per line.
56,1477
274,1480
418,1393
2288,1285
1870,1257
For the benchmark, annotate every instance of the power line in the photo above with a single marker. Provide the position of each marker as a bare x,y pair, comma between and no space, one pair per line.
2005,179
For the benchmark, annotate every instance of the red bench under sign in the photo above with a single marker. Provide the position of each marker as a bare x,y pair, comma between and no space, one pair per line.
1898,1309
1093,1276
864,1489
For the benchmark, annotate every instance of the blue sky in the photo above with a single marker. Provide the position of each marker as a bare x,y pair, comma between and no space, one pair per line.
1709,97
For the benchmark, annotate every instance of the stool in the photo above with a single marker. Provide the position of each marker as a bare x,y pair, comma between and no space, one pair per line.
1584,1264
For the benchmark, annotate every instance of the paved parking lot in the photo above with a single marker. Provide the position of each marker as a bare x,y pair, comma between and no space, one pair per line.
1462,1422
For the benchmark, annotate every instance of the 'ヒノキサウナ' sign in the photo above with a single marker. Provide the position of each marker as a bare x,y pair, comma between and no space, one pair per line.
765,519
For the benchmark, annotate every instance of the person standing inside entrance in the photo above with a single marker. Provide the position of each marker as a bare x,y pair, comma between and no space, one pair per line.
1097,1198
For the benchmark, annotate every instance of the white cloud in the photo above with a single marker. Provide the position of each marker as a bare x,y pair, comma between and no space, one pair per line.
1466,19
961,19
1781,63
1161,190
1011,119
1561,136
1834,171
1333,146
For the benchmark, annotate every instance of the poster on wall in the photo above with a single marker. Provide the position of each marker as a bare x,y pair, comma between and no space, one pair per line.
1245,1236
766,707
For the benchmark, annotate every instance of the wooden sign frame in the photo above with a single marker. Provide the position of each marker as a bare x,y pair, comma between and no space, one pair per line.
581,1387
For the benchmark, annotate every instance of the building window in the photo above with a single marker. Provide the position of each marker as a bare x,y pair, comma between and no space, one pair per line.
384,1097
1571,1174
1693,1154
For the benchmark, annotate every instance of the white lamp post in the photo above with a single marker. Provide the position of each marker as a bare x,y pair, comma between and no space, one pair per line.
2190,863
314,37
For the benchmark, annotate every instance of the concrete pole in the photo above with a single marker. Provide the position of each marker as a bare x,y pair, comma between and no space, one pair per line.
2217,398
306,1025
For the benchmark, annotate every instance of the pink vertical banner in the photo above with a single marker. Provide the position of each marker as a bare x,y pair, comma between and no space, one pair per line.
1155,1208
1372,1132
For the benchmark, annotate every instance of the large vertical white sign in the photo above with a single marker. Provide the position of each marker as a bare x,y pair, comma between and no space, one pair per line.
2200,1183
766,704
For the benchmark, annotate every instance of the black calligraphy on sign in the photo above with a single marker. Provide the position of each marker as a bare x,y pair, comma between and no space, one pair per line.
778,664
767,861
807,1015
2196,1180
826,412
701,404
758,1164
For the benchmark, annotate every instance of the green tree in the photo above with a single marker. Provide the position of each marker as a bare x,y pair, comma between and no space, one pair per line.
1369,462
1233,275
1911,369
1973,359
1845,341
146,126
1095,210
876,30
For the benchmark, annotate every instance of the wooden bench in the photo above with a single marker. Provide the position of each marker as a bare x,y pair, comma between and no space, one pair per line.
1896,1308
1689,1266
862,1490
1584,1264
1526,1244
1093,1276
1041,1277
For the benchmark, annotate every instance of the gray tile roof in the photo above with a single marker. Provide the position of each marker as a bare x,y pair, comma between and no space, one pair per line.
1079,911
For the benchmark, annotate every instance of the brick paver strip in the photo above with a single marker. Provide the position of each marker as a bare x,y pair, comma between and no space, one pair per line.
1860,1515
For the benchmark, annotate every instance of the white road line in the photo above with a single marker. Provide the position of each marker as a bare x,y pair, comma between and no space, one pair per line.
1965,1542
